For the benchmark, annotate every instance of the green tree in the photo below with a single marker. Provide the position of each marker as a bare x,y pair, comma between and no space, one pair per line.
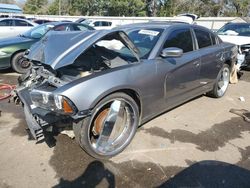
240,7
63,7
7,1
125,8
35,7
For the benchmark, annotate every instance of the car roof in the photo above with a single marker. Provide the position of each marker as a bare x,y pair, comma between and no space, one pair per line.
21,19
55,24
156,24
241,23
159,24
14,19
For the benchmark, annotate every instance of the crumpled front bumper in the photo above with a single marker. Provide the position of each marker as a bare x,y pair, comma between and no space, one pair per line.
35,128
39,121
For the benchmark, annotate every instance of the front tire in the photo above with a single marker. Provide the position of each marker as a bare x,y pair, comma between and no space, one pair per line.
19,63
110,128
222,82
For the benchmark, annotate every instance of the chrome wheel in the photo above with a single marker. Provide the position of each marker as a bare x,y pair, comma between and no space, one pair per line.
112,127
223,81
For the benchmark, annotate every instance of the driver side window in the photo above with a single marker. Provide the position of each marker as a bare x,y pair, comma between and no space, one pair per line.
182,39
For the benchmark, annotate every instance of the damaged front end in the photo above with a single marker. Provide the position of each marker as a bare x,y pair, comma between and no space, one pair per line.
58,67
45,111
243,57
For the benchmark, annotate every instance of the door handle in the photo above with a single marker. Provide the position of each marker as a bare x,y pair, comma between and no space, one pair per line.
221,56
196,63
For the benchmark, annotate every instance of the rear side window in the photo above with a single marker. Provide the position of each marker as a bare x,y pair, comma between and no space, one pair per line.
61,28
97,24
106,23
181,39
6,23
203,38
21,23
79,27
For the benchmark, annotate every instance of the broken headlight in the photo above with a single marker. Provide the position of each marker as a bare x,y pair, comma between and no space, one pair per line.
53,102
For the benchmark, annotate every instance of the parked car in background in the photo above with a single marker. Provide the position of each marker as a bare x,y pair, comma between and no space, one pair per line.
12,49
10,27
104,84
41,21
239,34
99,24
80,20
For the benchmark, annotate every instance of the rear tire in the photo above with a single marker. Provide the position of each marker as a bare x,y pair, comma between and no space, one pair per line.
19,63
110,128
222,82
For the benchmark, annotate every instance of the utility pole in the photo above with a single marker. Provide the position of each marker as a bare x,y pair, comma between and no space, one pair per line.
59,8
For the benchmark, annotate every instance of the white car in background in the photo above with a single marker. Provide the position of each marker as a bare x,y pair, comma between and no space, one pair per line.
99,24
10,27
239,34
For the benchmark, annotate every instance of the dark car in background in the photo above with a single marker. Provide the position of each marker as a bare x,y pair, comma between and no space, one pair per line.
106,83
41,21
12,49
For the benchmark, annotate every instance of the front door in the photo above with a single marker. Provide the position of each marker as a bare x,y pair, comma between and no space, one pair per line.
182,75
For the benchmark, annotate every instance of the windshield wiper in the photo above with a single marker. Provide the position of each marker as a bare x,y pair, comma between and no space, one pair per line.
25,36
21,35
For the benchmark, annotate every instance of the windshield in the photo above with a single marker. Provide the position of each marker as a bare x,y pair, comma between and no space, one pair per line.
235,30
38,32
87,22
144,40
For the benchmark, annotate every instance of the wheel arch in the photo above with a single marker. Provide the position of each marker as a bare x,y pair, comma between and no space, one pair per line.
131,92
16,52
229,63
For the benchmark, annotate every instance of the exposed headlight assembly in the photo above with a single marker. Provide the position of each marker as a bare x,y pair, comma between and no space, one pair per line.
53,102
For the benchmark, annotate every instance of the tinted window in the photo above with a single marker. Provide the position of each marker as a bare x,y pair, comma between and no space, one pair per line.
203,38
96,24
6,23
106,23
21,23
80,28
181,39
61,28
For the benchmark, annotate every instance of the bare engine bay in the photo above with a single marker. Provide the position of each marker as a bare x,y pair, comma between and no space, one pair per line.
99,57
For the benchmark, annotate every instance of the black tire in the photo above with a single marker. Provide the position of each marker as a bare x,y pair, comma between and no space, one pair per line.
216,92
84,128
19,63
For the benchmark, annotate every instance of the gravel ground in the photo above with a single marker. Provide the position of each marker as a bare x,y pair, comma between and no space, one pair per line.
198,144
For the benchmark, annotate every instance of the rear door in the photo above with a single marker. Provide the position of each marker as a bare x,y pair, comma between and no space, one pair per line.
21,26
6,28
212,56
182,77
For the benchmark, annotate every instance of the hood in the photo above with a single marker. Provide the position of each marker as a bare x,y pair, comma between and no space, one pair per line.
13,41
58,49
238,40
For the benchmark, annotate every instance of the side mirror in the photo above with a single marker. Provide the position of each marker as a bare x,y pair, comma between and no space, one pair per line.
171,52
36,35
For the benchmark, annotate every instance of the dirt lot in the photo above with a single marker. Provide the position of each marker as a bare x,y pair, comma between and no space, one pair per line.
199,144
